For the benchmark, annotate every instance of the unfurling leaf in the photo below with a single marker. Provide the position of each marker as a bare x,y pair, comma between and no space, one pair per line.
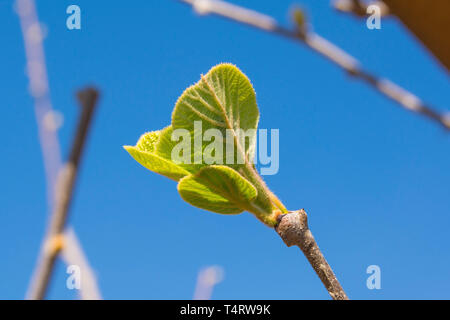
151,151
219,189
223,100
209,147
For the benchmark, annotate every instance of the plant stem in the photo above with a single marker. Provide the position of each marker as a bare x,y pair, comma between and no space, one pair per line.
293,229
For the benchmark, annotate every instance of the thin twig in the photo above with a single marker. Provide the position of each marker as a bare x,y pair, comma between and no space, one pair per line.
349,64
54,239
293,229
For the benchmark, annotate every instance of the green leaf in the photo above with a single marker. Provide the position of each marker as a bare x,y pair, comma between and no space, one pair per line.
219,189
151,151
223,100
209,147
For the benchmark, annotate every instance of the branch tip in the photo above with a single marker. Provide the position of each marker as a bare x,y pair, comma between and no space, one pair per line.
293,229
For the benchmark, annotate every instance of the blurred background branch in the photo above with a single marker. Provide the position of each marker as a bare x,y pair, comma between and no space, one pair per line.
33,36
425,19
207,279
359,8
55,240
72,254
303,33
48,122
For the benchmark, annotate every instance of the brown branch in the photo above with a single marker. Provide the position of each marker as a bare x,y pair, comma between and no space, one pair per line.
54,239
349,64
293,229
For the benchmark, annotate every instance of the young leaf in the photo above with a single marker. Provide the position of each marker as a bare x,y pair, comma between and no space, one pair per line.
150,151
219,189
223,100
216,120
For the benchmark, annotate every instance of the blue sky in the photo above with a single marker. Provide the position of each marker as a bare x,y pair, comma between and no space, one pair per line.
373,177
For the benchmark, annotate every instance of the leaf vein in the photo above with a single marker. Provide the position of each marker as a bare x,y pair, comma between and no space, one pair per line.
203,116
